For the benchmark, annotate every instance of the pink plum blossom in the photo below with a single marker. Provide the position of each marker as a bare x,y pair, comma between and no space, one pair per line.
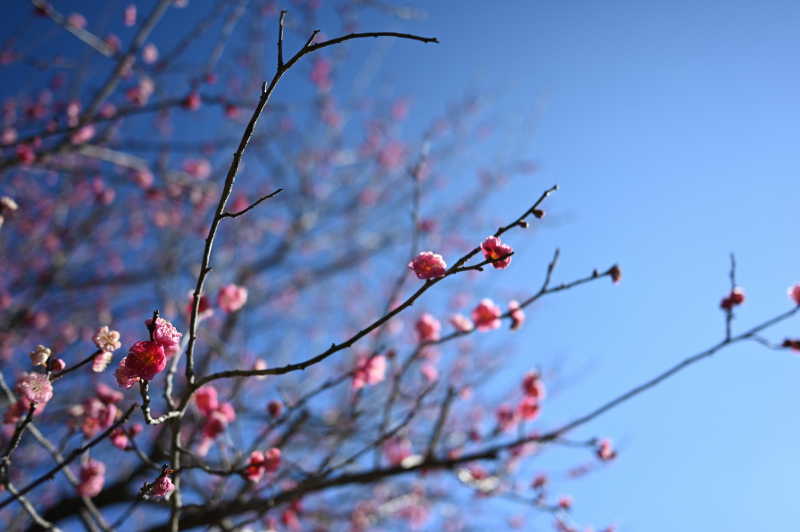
35,387
397,450
255,467
206,398
517,314
493,249
231,297
272,460
532,385
39,355
428,328
101,361
430,372
462,323
130,15
605,450
370,371
486,315
528,408
150,53
166,336
145,360
92,478
794,293
161,487
108,395
106,339
204,310
197,168
428,265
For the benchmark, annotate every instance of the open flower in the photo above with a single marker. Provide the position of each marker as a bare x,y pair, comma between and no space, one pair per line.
428,328
428,265
486,315
166,336
161,487
145,360
92,478
39,355
35,387
370,370
493,249
106,340
231,297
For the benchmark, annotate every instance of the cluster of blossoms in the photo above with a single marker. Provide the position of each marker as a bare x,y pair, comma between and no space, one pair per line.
99,412
217,417
370,370
147,359
528,408
260,463
108,342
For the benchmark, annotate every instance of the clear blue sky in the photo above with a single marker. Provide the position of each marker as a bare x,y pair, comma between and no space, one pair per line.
673,132
672,129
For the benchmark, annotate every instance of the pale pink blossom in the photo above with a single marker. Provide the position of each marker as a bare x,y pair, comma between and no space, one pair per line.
506,417
462,323
794,293
106,339
98,416
260,364
76,19
428,328
150,53
605,450
493,249
486,315
430,372
370,371
166,336
35,387
517,314
18,410
428,265
119,439
101,361
83,135
130,15
92,478
231,297
161,487
108,395
39,355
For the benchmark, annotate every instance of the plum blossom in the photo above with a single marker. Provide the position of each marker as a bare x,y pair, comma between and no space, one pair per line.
532,385
231,297
616,274
192,101
35,387
130,15
605,450
428,265
462,323
486,315
119,439
794,293
517,314
528,408
206,399
92,478
101,361
39,355
161,487
204,310
275,409
736,297
397,450
19,410
145,360
260,463
149,53
370,370
217,420
430,372
197,168
106,339
98,416
506,417
428,328
166,335
493,249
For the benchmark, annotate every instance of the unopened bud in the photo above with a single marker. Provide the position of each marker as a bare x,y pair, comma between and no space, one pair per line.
538,213
58,364
523,224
